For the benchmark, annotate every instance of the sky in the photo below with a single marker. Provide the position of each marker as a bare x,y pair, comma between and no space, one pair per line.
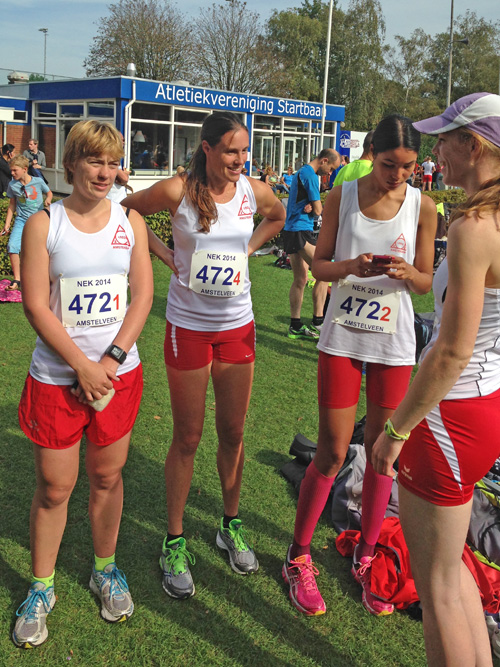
72,25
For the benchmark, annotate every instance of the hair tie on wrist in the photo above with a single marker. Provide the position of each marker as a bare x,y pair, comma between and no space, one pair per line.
392,433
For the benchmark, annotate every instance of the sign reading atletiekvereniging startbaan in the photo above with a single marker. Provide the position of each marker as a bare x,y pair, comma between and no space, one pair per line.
170,93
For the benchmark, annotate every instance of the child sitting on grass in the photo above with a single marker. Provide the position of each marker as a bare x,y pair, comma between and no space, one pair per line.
26,198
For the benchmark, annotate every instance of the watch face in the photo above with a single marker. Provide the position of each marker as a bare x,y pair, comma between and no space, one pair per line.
116,353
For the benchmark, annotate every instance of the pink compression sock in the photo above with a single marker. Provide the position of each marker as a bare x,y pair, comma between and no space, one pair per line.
313,495
374,500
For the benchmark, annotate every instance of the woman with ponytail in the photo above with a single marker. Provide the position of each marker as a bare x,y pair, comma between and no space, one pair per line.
450,417
210,325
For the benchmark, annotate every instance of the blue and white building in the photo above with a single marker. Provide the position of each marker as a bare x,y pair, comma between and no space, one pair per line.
161,123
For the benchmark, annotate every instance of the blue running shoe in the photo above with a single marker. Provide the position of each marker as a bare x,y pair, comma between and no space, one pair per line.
110,586
31,625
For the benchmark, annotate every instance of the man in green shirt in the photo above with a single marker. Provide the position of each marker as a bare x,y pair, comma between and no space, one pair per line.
359,167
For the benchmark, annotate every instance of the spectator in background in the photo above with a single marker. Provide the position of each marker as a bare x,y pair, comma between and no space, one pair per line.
336,171
299,239
36,159
285,182
255,167
270,178
287,178
439,176
358,168
428,168
26,198
7,152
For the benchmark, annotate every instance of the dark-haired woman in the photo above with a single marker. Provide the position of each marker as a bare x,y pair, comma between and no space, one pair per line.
7,152
452,409
381,233
210,325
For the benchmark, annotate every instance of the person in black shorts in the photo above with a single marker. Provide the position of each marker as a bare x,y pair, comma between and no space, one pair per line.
299,240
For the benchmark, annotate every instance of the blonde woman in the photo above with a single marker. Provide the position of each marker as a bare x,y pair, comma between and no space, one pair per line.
450,417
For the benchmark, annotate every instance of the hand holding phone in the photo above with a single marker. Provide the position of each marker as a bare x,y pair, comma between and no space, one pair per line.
381,259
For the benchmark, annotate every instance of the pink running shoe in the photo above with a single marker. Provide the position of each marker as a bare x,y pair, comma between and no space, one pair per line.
300,576
362,574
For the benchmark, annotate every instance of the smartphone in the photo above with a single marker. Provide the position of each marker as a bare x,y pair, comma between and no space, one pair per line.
382,259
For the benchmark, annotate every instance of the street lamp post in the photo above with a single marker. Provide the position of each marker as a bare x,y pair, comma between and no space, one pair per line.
325,82
45,31
450,58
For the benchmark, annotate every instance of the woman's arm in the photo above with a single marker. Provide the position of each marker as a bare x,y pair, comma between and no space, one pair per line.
469,259
273,211
162,196
418,276
141,291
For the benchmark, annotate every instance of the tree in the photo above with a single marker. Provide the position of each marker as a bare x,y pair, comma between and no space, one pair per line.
356,78
229,55
475,66
149,33
297,39
406,67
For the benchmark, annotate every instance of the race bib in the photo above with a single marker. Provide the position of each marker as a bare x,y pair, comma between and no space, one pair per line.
93,302
218,273
366,306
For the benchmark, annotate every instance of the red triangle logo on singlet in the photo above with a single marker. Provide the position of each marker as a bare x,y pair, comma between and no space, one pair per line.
399,244
120,239
245,209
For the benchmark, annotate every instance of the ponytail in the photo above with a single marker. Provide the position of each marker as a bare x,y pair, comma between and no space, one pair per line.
196,188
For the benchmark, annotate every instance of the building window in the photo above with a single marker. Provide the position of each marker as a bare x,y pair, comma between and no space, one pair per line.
149,153
104,110
71,111
52,122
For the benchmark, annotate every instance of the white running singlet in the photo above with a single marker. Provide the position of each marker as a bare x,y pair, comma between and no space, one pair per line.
212,292
95,268
357,302
481,376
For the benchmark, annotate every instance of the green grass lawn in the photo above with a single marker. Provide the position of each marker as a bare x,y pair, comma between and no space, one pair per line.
232,620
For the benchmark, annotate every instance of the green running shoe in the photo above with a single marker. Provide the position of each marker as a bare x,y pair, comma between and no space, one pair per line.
174,562
110,586
31,625
241,555
305,333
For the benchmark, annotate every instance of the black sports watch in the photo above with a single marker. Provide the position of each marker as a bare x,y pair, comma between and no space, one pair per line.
116,353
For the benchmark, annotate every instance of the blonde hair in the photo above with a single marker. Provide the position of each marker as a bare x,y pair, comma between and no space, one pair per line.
19,161
487,198
90,138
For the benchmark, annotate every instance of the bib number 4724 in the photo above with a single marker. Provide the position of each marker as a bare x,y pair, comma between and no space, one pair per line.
211,273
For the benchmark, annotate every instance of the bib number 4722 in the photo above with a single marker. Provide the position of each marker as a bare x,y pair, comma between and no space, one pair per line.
371,312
